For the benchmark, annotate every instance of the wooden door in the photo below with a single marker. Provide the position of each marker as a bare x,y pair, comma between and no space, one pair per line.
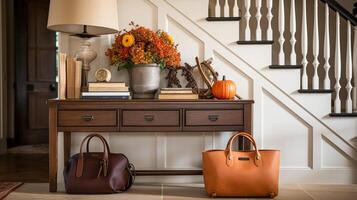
35,57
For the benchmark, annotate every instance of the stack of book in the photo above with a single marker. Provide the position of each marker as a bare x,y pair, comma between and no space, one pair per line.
70,73
177,93
107,90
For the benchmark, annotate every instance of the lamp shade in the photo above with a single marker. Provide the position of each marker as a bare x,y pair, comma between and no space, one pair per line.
70,16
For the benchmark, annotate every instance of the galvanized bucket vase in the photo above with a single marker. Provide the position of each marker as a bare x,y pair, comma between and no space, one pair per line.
144,80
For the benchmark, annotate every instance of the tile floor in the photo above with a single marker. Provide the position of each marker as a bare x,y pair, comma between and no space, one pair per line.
39,191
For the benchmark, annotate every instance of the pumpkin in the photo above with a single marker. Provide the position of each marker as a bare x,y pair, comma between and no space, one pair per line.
224,89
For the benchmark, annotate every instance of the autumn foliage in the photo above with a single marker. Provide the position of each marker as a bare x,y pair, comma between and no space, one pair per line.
141,45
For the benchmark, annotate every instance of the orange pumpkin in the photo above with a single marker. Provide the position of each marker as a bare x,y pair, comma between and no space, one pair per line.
224,89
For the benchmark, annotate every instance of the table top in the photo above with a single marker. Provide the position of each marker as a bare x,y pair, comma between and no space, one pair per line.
101,100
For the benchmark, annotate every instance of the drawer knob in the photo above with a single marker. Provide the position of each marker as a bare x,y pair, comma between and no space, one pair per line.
213,118
87,118
149,118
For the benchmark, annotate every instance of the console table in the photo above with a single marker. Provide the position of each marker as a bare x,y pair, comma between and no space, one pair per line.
98,115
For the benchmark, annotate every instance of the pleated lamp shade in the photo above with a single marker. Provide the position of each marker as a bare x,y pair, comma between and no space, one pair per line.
70,16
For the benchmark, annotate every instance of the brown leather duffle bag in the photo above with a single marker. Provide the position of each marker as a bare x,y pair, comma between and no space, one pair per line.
230,173
97,172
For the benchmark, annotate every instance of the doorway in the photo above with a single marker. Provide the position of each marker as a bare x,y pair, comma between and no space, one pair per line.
31,71
35,71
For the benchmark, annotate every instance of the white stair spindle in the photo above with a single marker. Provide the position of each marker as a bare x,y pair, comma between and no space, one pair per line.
269,17
236,14
315,48
217,9
281,32
258,16
226,8
354,97
337,107
292,31
327,48
247,17
235,9
304,43
349,69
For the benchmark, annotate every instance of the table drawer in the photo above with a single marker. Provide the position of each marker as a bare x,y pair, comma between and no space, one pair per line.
214,117
87,118
151,118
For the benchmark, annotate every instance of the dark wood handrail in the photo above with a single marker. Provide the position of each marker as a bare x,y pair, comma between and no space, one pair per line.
334,5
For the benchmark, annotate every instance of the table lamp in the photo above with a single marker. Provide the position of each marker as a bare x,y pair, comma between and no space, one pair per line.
84,19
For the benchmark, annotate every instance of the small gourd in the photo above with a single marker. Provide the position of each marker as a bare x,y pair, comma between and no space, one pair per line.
224,89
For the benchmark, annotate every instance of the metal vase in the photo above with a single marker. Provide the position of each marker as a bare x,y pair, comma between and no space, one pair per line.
144,80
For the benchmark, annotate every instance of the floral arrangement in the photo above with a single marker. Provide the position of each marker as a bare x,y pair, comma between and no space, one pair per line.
141,45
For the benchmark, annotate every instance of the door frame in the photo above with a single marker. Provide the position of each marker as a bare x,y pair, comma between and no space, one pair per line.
3,80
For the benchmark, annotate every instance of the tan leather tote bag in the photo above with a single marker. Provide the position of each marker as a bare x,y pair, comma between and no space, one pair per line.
230,173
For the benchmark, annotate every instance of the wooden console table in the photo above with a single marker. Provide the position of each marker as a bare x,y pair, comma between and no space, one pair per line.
89,115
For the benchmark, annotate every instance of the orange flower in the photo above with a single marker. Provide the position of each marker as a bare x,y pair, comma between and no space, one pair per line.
128,40
141,45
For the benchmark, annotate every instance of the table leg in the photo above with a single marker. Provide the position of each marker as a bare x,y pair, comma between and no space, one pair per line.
244,144
66,147
53,147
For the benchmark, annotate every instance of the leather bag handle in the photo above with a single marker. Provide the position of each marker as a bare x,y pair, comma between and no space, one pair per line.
229,148
79,170
106,143
243,133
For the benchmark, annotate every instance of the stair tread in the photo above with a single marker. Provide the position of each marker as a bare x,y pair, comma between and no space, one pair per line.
285,66
223,19
343,114
315,91
255,42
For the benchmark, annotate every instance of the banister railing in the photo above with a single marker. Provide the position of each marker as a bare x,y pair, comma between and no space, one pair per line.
337,7
342,58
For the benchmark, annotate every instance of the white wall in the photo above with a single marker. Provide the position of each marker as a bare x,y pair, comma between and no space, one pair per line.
279,122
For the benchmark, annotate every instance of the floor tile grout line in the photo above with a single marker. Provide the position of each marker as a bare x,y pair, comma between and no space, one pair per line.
306,192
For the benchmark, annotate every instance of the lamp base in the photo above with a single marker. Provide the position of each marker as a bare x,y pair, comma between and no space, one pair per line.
86,55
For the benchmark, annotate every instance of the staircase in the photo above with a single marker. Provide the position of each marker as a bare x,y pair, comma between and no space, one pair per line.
310,97
344,89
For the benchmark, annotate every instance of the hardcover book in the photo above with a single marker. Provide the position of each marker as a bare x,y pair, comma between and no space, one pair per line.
77,79
107,85
62,76
71,72
178,96
108,94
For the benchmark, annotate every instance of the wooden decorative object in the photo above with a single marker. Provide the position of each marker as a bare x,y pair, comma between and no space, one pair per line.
187,72
205,76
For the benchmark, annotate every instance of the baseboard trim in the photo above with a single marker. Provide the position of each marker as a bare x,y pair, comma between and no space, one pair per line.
287,176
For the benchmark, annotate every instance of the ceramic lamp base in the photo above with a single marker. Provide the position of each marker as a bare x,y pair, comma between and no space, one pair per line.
86,55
